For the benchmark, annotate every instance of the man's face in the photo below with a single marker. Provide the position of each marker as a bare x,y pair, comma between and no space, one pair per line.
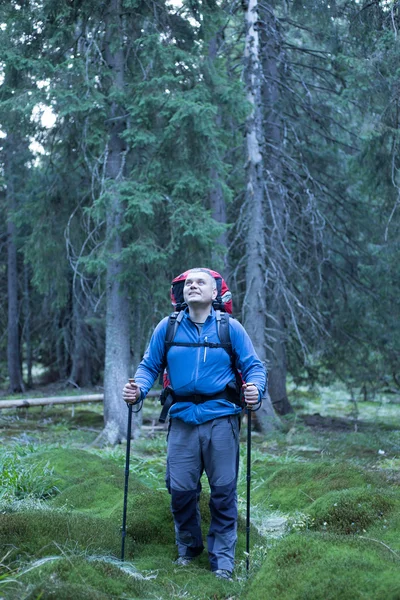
199,289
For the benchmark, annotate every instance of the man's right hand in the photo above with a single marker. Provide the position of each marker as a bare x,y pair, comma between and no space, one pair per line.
131,392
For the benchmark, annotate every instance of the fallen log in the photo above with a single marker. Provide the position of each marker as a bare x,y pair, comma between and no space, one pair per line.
29,402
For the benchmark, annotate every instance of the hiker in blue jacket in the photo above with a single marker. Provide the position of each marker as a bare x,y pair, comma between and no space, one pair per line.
204,420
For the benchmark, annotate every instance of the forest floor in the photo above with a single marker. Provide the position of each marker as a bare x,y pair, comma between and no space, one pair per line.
325,507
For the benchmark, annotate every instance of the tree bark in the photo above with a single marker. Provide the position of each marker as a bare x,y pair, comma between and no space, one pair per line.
117,353
61,345
278,368
218,211
216,197
13,342
275,211
255,302
136,358
81,371
27,326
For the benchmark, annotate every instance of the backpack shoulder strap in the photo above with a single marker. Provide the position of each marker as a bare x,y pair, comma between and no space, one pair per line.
223,327
224,333
173,321
223,330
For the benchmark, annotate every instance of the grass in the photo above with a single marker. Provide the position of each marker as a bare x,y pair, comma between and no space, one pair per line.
325,500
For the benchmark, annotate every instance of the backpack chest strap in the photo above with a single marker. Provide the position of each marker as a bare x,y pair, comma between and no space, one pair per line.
201,398
197,345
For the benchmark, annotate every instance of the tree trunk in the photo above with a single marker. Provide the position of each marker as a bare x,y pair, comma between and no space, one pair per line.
61,345
218,211
81,371
137,351
117,354
27,326
255,301
13,343
278,368
216,197
137,336
275,211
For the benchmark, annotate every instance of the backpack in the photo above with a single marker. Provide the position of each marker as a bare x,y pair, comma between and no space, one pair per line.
223,311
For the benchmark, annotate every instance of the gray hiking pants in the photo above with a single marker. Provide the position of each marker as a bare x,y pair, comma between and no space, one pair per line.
214,447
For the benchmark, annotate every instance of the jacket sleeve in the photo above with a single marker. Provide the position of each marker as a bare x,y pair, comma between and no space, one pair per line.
152,361
247,361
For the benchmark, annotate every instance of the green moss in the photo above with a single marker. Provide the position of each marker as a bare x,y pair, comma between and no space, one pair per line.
84,578
90,508
351,511
363,446
387,529
87,577
95,486
64,591
316,567
100,496
85,517
40,532
87,418
298,484
149,517
75,466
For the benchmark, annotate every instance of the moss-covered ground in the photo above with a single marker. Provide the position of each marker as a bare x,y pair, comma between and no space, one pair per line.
325,509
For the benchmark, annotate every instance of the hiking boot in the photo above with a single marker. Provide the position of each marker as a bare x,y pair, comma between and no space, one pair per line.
223,574
183,561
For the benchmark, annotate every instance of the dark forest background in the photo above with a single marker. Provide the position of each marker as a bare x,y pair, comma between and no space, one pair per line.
140,138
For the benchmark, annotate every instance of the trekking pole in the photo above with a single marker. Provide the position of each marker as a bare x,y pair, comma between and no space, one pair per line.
248,479
128,451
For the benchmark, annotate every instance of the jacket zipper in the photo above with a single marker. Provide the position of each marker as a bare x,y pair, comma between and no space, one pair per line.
205,350
198,358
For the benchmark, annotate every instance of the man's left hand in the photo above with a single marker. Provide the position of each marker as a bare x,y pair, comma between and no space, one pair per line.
251,394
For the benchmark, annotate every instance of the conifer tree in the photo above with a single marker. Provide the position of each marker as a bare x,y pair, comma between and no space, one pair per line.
363,348
13,172
299,135
255,299
145,125
15,112
143,175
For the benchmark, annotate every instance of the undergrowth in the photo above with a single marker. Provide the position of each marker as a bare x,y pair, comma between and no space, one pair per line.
325,500
19,481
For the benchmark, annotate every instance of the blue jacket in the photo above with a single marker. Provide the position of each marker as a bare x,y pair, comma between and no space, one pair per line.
200,370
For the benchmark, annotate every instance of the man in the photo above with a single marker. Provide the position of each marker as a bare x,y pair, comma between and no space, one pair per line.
204,430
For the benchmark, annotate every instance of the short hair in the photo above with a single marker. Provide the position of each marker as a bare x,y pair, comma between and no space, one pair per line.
201,270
